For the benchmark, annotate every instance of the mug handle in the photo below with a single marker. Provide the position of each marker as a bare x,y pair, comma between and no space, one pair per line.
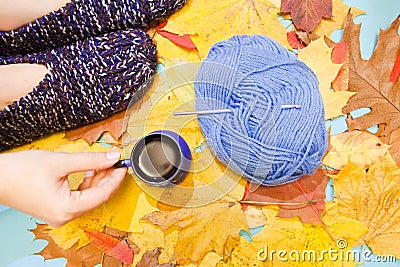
123,163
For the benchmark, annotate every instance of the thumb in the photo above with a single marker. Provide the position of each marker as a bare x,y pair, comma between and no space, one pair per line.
76,162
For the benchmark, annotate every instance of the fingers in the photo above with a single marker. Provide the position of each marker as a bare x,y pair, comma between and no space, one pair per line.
75,162
98,193
87,180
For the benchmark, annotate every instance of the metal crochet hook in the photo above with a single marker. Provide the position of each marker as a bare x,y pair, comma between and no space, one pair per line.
217,111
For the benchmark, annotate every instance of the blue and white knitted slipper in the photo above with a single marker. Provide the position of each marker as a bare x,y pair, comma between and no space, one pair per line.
81,19
87,81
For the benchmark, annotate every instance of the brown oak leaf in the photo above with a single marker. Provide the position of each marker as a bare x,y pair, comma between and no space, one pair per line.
371,80
307,14
85,256
92,132
150,259
312,185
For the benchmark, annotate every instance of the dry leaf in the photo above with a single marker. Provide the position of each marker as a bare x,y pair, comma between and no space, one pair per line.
306,37
394,75
312,185
152,238
111,246
317,56
294,41
291,235
183,41
150,259
340,9
207,23
92,132
110,261
86,256
202,229
372,197
371,80
254,217
362,148
340,55
50,142
307,14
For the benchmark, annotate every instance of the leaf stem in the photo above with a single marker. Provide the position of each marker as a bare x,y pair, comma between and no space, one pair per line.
262,203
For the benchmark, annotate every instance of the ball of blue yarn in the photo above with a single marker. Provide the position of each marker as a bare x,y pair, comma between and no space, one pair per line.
254,76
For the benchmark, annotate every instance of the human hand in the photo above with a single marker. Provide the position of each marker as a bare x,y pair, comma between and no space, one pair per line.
35,182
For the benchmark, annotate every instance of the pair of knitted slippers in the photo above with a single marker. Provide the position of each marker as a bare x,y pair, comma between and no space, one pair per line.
97,56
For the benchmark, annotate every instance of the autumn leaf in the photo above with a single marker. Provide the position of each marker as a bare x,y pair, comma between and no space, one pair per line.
111,261
202,229
254,217
394,75
372,197
150,259
183,41
317,56
307,14
362,148
86,256
312,185
294,41
50,142
206,22
306,37
371,80
92,132
292,235
151,239
111,246
340,55
327,26
122,212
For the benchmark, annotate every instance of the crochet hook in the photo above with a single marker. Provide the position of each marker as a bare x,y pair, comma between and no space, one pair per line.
216,111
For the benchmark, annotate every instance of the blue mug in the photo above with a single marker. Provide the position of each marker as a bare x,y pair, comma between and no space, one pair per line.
161,158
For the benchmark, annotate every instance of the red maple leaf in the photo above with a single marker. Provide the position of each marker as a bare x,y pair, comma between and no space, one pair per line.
294,40
311,187
340,55
111,246
307,14
184,41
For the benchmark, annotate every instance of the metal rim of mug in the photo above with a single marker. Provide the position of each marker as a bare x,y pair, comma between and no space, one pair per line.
184,158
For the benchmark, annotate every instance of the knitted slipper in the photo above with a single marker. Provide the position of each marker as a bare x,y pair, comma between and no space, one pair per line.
86,82
80,19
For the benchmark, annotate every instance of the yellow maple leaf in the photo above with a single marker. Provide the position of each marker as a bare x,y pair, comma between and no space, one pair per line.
254,217
209,22
50,142
317,56
203,229
372,197
303,244
362,148
152,238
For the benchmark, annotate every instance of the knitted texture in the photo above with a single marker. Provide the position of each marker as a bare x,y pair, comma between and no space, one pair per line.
86,81
84,18
266,143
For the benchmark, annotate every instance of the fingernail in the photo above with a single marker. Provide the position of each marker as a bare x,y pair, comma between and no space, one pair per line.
113,155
